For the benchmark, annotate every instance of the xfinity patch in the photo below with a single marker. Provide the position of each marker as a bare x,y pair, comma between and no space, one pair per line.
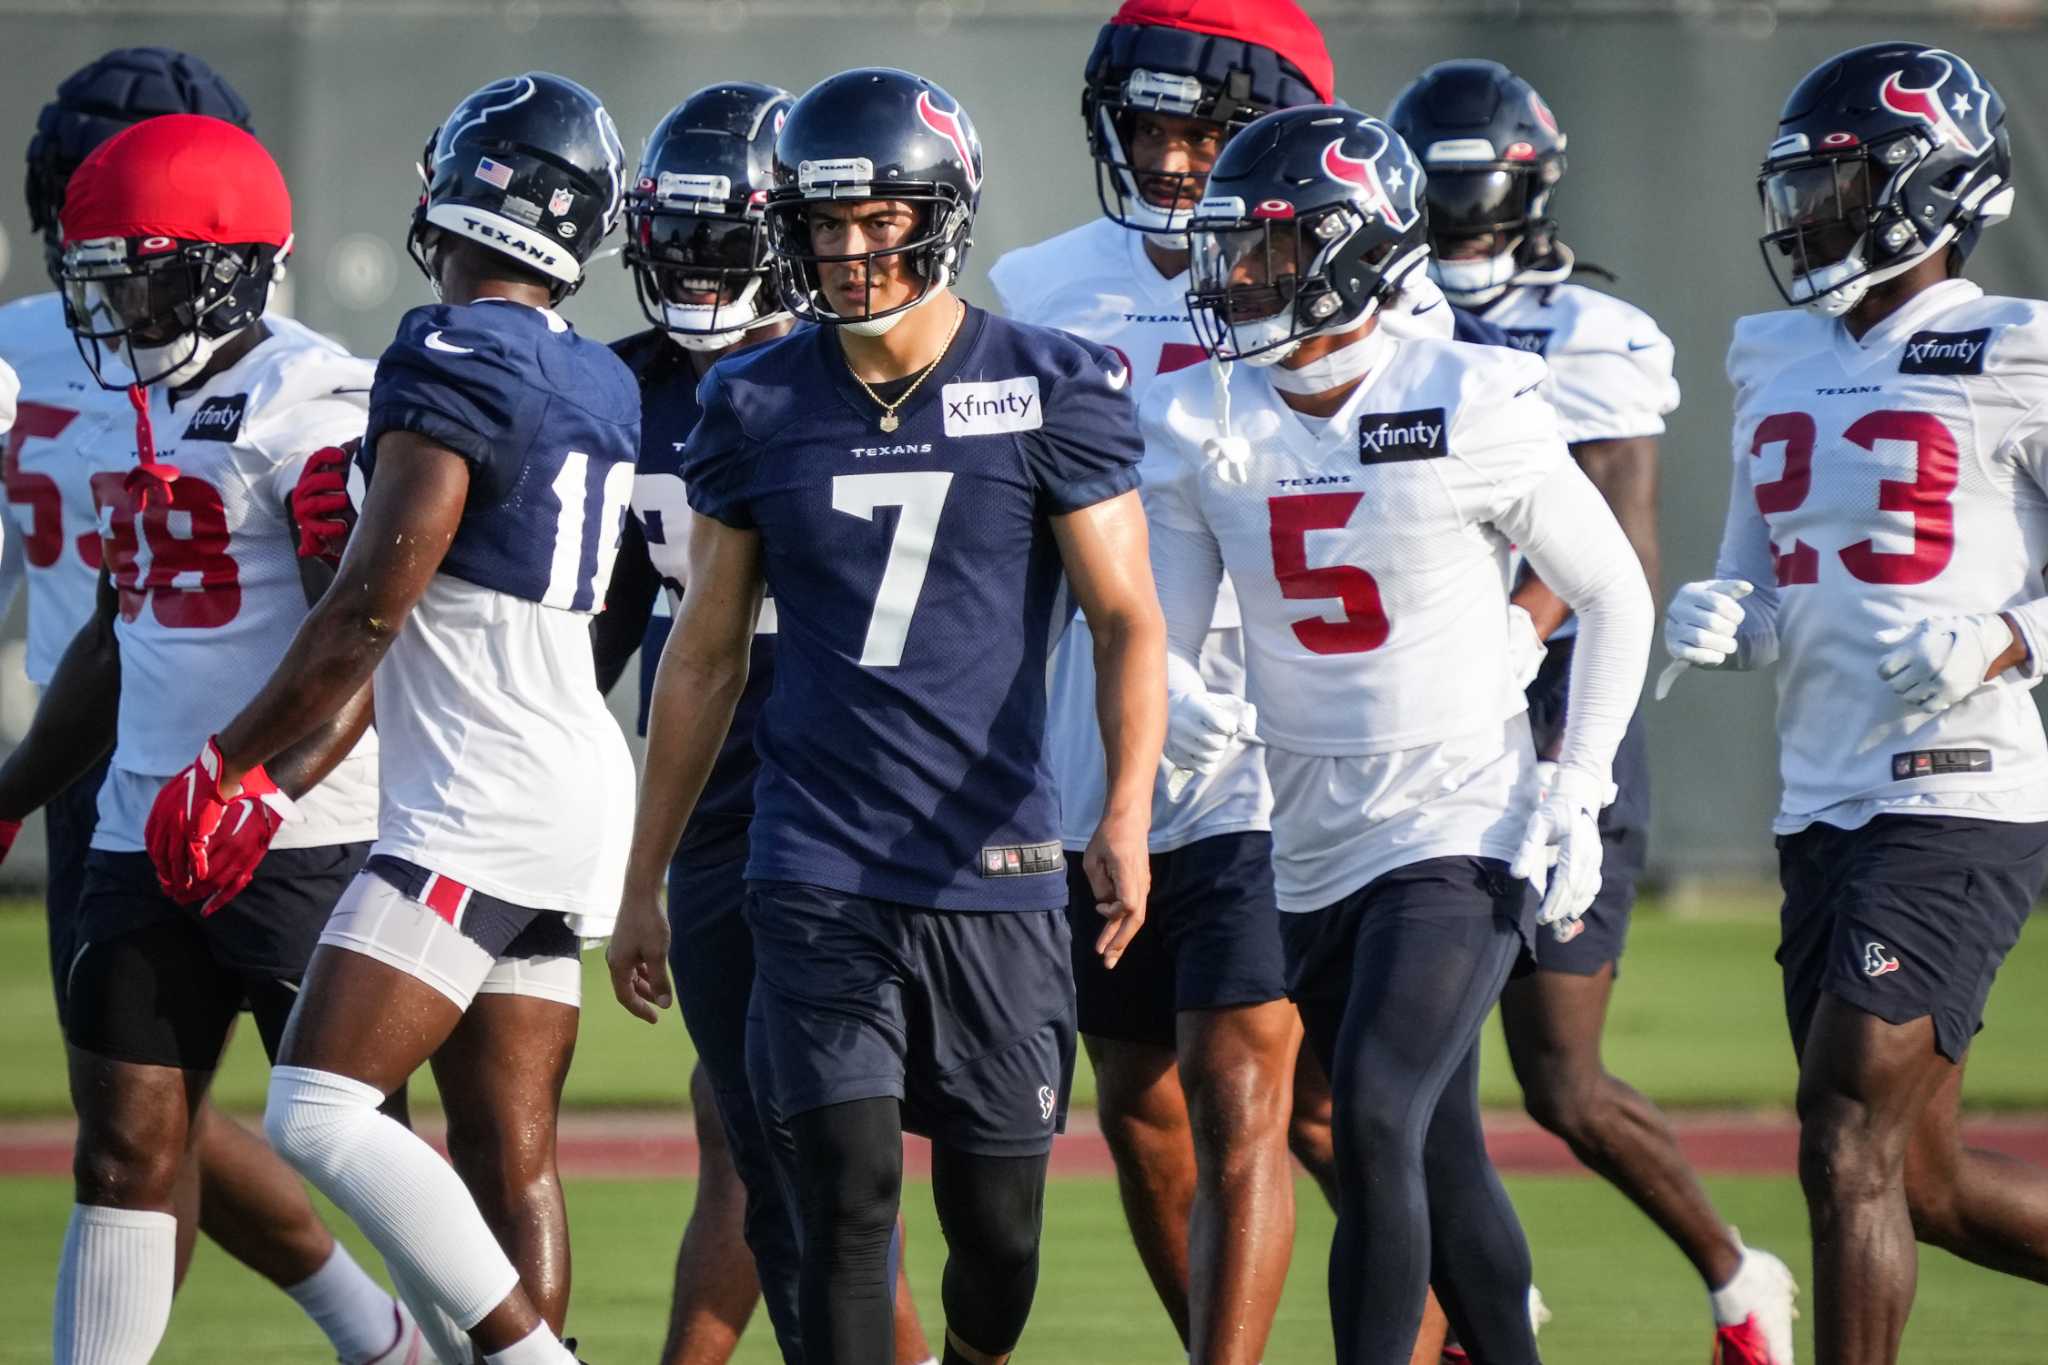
1535,340
993,406
218,418
1939,763
1391,437
1945,352
1023,860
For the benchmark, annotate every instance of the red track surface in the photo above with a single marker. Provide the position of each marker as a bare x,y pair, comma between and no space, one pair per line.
641,1145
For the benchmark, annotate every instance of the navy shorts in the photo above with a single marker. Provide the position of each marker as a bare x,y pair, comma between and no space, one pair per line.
155,982
966,1017
68,823
1910,915
1465,898
1211,940
1584,946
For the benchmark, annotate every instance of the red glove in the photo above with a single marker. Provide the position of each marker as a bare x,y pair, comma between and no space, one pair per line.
320,503
9,829
188,814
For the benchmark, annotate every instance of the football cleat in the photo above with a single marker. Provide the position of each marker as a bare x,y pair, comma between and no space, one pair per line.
1764,1337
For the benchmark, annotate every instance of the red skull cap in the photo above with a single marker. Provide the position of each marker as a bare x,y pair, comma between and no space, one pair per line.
1280,25
184,176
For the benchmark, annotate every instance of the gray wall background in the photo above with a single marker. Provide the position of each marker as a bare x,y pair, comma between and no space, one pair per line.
1668,114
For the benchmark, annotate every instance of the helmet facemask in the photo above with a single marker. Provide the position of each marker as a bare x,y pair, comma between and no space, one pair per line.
1487,226
1146,199
1253,300
161,308
703,274
931,251
1837,223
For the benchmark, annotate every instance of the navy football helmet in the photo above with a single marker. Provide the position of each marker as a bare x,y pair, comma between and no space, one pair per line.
97,101
866,134
1884,155
1494,153
694,238
530,167
1313,219
1224,62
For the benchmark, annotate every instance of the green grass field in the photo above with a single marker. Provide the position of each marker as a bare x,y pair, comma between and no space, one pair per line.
1697,1021
1622,1296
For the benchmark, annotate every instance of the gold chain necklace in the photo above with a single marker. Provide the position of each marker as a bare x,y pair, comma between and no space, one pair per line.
890,421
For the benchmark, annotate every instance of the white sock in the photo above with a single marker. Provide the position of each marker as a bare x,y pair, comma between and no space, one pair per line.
449,1343
113,1286
1736,1300
359,1318
408,1201
538,1347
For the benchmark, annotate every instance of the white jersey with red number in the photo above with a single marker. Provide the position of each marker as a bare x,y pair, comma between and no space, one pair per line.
1877,483
66,429
209,587
1370,575
1097,282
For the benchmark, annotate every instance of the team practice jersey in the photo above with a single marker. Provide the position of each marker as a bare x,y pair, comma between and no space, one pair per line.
1368,552
1877,483
206,570
1610,366
504,769
661,513
918,589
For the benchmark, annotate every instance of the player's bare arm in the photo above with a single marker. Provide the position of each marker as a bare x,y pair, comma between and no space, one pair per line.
302,766
1104,549
409,517
703,672
74,726
1625,472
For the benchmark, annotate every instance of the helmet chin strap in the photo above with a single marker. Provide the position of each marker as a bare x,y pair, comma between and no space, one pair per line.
686,321
1333,370
874,327
1844,297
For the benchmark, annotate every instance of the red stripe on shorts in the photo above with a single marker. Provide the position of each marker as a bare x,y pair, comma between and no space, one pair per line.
445,897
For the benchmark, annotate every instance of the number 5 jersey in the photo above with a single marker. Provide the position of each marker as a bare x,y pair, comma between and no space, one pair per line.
1877,483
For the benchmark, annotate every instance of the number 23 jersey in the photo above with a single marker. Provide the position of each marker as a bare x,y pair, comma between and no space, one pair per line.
1877,483
917,589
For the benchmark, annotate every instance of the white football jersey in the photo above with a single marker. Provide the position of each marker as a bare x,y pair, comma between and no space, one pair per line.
1876,483
67,428
209,587
1371,581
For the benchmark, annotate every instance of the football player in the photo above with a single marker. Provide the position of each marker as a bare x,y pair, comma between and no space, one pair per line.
1360,490
1887,522
71,429
695,246
498,464
910,479
173,233
1494,154
1192,1038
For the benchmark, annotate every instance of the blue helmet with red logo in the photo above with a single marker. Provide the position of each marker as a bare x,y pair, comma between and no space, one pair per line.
1312,220
1884,155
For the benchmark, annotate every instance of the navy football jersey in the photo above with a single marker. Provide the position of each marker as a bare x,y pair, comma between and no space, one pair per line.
549,423
919,590
1467,325
668,409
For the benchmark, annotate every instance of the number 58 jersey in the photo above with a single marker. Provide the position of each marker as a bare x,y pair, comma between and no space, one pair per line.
1876,483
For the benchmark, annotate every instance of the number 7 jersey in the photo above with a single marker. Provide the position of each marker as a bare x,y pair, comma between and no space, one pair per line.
1877,483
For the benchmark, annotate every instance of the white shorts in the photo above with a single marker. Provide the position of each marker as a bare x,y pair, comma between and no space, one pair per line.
378,920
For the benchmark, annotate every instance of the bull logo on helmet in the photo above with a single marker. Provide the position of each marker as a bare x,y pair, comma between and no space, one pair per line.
1363,173
1955,105
948,124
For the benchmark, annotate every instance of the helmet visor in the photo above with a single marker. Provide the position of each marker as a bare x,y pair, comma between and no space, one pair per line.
1468,203
1816,212
1246,274
110,295
698,259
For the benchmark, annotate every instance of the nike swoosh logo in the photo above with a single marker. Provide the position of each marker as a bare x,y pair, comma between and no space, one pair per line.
1420,311
434,343
1641,345
1531,389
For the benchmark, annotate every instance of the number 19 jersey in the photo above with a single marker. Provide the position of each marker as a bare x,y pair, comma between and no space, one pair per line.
918,589
1877,483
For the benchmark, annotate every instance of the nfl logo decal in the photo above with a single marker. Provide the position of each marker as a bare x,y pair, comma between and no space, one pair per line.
494,173
559,202
993,857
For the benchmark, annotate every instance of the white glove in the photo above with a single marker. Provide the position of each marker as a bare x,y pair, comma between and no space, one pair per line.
1202,726
1526,650
1943,659
1560,854
1700,627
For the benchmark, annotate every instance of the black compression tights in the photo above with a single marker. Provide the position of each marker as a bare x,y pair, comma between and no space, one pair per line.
1418,1199
849,1178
